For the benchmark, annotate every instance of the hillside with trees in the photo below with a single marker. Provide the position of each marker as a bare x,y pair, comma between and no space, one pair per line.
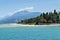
44,18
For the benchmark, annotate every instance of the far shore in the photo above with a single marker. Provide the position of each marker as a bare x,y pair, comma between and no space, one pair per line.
27,25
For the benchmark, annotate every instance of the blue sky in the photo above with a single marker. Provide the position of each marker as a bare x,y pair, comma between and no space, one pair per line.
8,7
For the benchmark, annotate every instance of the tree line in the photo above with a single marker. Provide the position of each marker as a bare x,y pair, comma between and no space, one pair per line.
44,18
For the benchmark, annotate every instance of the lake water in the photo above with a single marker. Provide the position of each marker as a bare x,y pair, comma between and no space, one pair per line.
32,33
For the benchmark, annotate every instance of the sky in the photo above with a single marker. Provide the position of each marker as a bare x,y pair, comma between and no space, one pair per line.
9,7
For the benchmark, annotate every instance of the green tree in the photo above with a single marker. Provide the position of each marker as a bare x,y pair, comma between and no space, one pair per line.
55,12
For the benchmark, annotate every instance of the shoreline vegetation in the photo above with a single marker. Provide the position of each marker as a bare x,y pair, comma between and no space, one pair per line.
48,19
44,19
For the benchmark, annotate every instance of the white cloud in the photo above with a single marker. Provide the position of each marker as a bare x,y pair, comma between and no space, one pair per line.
27,9
11,13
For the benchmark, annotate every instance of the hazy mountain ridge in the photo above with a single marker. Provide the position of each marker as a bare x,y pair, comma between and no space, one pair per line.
18,16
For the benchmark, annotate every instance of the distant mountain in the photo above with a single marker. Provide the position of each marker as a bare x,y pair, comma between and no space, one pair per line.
18,16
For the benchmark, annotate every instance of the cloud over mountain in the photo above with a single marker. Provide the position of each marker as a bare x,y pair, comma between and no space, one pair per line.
26,9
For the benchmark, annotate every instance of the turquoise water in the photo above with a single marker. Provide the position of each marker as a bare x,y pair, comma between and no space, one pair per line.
35,33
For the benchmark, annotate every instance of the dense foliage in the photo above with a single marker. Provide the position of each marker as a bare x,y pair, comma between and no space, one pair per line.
44,18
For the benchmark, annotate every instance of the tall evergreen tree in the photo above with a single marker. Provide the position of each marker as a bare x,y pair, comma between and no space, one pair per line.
55,12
